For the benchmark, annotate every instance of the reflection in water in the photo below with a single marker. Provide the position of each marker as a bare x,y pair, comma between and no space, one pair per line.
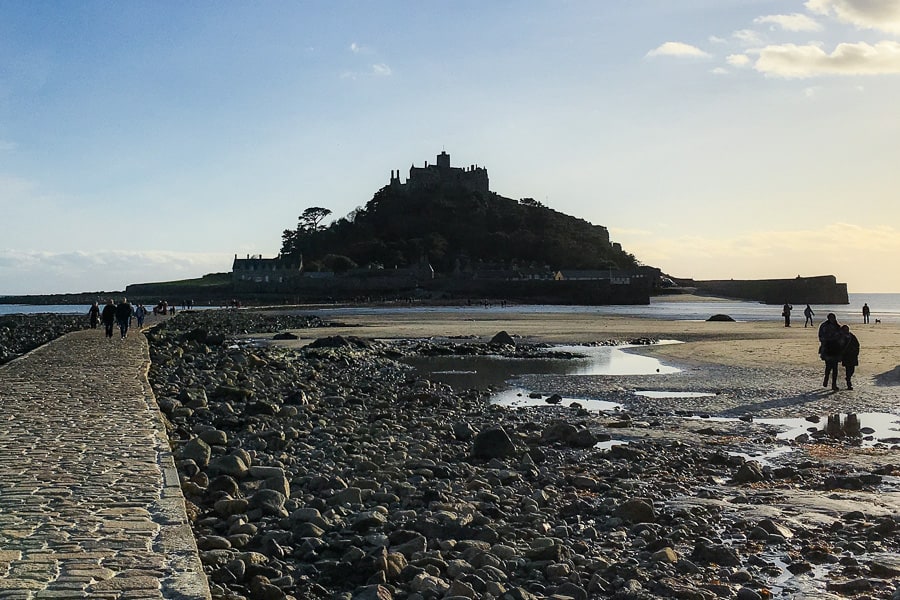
870,427
480,372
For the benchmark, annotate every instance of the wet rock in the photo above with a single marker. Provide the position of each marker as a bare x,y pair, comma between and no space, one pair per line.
720,317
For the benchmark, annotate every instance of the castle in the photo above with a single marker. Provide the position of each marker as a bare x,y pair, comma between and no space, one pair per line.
473,178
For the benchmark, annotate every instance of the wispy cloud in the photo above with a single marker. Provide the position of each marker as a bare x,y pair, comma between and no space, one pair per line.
747,37
793,61
381,70
791,22
678,49
37,272
883,15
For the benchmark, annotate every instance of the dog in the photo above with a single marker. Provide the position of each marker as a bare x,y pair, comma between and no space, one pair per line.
877,321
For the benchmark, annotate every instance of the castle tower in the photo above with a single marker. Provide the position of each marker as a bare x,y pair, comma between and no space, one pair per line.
443,160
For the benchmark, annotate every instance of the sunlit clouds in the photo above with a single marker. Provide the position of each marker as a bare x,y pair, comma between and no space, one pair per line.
678,49
883,15
790,60
791,22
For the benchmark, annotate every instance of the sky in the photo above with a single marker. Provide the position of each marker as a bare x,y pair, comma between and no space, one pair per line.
715,139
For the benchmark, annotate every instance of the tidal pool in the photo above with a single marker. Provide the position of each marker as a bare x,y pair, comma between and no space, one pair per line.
481,372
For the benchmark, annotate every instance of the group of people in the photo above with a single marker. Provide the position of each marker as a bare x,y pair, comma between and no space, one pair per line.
837,345
119,314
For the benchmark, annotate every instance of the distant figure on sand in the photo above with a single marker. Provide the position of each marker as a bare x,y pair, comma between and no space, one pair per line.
830,348
124,313
850,357
809,314
108,316
786,313
94,315
865,313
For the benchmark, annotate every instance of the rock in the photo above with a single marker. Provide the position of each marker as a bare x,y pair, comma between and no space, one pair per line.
636,510
749,472
502,339
231,464
493,442
286,335
720,317
196,450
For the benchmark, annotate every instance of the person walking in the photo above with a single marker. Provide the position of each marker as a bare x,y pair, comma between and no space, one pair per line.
830,348
865,313
809,314
139,313
850,357
124,311
786,313
94,315
108,316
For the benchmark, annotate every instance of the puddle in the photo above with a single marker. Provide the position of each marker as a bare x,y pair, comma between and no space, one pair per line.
668,394
517,397
480,372
873,427
767,458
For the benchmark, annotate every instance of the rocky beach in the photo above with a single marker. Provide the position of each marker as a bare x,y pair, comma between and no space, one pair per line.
324,467
316,463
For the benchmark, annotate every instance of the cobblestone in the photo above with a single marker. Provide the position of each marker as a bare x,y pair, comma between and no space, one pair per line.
88,506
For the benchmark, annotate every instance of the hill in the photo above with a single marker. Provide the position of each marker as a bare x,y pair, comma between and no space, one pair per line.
452,228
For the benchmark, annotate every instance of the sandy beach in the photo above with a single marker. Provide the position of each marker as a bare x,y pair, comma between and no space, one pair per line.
742,356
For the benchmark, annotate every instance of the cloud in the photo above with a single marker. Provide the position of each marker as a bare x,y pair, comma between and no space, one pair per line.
792,61
678,49
381,70
738,60
719,71
748,37
883,15
791,22
38,272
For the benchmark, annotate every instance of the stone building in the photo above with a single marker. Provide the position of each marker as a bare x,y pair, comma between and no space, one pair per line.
472,178
256,269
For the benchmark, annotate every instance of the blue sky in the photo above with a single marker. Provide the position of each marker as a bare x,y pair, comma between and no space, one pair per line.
151,141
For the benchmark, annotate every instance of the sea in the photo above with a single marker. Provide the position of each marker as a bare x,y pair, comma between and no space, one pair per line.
884,307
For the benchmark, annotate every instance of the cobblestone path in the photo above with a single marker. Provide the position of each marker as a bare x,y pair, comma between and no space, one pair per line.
90,503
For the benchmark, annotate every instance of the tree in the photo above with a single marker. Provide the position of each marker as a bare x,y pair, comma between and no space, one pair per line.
311,218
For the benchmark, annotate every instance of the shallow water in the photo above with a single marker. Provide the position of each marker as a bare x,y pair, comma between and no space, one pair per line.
481,372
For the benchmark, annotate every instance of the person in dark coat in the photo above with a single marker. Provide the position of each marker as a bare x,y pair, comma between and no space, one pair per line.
809,314
124,313
786,313
830,348
850,357
108,316
94,315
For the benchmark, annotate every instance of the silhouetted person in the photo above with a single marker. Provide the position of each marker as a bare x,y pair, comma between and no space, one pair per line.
809,314
786,313
850,357
123,316
830,348
865,313
94,315
108,316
